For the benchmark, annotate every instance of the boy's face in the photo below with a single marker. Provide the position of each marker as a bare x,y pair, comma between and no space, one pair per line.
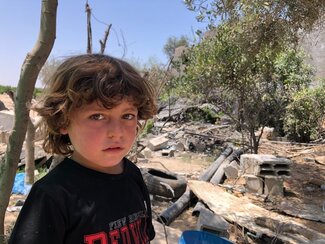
101,137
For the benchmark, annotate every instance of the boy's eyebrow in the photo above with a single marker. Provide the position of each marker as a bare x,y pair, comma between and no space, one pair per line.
135,110
103,109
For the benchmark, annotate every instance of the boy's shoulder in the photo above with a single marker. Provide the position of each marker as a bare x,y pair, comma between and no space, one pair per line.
61,173
69,171
131,167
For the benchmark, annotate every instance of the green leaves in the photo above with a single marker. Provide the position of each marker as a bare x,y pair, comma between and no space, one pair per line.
305,114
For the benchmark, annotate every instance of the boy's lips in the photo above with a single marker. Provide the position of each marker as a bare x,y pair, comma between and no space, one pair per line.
113,149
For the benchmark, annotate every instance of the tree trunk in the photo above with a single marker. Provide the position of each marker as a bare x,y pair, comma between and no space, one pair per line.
29,72
30,154
254,140
29,147
89,33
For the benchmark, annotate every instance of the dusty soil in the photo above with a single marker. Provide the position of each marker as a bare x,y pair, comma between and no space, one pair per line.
304,185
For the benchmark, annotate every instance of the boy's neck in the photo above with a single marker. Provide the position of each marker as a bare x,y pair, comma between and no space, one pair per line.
117,169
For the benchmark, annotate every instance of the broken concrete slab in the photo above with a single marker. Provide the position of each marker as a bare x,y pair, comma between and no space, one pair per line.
211,222
158,143
303,210
248,215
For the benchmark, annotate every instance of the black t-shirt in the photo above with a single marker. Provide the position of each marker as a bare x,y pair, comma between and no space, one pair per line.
74,204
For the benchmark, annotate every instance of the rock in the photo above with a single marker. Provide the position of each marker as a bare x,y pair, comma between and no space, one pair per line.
158,143
7,119
232,170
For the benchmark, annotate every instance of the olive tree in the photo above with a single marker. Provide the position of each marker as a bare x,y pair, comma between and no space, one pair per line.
238,65
274,20
248,85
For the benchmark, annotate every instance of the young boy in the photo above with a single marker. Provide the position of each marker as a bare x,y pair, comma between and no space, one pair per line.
96,195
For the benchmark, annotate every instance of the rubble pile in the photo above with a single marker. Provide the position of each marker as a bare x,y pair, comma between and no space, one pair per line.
234,189
264,174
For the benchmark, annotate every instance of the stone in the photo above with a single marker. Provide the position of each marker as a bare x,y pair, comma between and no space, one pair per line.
147,153
168,152
232,170
254,184
273,186
158,143
142,160
179,147
7,120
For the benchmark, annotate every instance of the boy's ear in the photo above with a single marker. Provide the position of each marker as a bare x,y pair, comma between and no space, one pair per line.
64,131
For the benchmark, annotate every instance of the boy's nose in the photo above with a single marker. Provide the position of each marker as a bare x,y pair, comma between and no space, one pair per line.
114,129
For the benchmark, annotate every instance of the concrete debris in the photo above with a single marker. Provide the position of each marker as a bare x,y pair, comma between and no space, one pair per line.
265,165
232,170
254,184
7,119
211,222
158,143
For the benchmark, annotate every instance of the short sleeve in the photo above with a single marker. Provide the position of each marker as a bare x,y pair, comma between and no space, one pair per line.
41,220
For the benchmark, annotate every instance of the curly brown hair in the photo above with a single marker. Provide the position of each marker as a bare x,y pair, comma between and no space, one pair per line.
81,80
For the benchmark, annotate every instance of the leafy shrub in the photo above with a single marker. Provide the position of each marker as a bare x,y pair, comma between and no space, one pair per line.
4,89
197,114
305,115
147,128
37,91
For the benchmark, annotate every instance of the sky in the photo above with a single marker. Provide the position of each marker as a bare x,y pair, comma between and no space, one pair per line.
145,26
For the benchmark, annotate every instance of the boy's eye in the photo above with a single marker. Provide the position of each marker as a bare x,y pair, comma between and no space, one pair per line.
96,117
129,116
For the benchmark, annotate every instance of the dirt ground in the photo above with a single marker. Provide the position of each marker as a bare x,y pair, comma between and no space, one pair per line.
304,186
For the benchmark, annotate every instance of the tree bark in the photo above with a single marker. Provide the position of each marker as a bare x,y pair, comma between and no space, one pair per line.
89,32
29,72
30,153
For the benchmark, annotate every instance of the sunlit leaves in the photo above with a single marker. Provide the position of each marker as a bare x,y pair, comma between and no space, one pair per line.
304,117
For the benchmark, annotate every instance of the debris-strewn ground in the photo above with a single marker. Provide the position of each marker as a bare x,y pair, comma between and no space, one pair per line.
304,189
